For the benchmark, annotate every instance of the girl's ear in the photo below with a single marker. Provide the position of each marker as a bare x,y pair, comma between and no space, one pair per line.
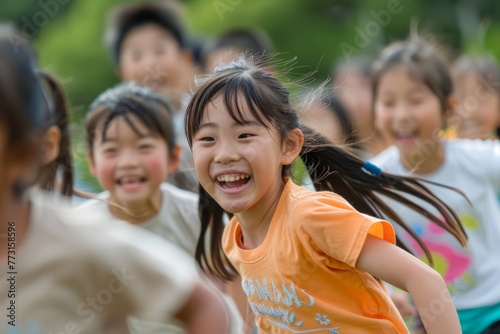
91,161
292,146
174,159
50,145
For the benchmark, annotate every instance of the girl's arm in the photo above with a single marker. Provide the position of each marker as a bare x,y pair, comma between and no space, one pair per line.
427,288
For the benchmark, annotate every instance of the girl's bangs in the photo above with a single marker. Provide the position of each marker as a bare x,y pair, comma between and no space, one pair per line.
122,109
237,92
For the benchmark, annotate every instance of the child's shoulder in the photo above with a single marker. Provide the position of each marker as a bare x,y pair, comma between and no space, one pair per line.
473,145
93,203
56,220
62,212
95,210
475,155
92,230
178,193
325,211
460,151
303,198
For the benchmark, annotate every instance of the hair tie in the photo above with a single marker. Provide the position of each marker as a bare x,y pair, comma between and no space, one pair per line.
371,168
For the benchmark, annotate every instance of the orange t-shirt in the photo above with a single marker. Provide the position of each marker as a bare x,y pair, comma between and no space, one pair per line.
302,278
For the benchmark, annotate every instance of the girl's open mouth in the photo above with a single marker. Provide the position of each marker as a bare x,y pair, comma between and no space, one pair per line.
233,181
131,183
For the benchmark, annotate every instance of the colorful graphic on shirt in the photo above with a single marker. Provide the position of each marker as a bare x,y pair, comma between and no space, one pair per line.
278,303
452,262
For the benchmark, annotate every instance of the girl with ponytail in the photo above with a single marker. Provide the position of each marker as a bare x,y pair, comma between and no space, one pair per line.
309,261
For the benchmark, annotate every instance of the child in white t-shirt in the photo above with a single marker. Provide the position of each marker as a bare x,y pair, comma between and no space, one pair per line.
131,151
88,276
413,96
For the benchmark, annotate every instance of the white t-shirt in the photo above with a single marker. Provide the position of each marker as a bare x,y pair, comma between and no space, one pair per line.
73,274
177,221
472,166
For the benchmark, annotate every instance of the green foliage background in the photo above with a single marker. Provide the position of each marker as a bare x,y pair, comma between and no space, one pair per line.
70,39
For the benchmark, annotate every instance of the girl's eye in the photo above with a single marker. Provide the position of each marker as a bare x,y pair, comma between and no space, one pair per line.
416,101
145,146
388,103
245,135
109,150
207,139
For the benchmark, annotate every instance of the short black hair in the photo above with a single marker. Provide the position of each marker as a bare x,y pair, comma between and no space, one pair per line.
126,99
124,18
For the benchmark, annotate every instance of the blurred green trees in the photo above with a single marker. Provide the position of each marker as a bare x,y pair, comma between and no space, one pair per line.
68,34
317,32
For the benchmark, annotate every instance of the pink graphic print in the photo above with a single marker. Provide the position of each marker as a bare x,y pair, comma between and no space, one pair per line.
450,261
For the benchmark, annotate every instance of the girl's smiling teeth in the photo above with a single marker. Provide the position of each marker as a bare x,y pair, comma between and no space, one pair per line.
131,183
406,137
130,179
232,180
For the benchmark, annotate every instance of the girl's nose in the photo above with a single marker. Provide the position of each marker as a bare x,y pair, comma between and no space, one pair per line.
149,61
128,159
152,74
402,111
226,154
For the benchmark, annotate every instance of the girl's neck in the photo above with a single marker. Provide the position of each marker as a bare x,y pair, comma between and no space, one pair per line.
371,139
428,159
377,144
17,213
138,213
255,223
365,131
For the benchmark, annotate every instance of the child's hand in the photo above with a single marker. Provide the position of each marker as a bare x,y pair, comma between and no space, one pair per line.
402,301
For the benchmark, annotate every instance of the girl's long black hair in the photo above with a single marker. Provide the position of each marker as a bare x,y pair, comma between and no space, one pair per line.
57,114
